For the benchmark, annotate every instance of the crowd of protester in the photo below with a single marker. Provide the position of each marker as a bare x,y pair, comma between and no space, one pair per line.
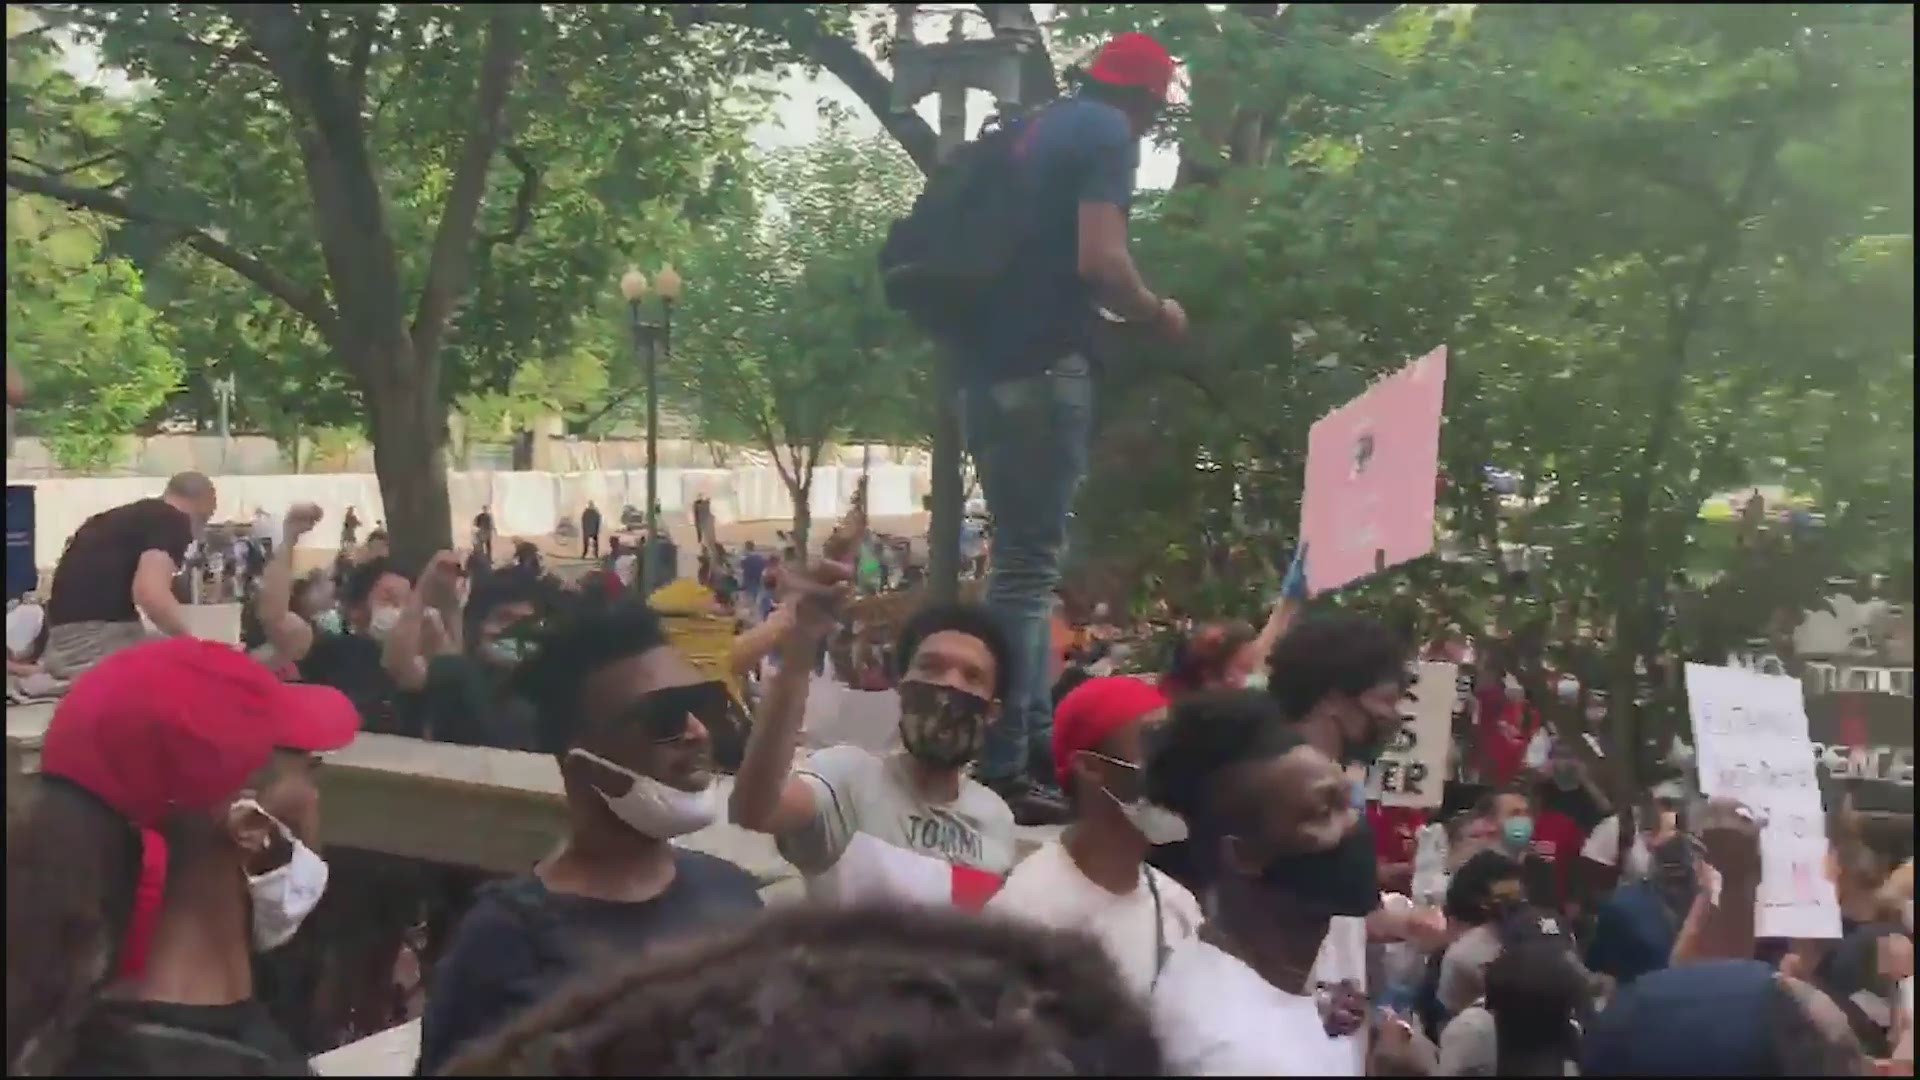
1224,899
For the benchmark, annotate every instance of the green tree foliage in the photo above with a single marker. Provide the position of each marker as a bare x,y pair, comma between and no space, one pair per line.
783,336
429,189
99,362
1670,247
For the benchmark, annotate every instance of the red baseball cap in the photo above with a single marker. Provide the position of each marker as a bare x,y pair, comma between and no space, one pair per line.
1094,710
179,725
1134,60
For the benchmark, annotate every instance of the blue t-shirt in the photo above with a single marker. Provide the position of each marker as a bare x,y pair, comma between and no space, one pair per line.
1077,150
1633,933
752,565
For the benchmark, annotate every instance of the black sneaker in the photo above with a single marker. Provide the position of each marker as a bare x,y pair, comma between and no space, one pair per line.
1031,803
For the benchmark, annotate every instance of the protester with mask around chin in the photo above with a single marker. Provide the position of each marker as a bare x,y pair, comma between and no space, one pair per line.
1094,878
623,712
1280,852
166,843
118,566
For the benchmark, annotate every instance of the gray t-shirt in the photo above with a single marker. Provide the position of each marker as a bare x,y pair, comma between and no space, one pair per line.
1468,1046
1463,970
857,791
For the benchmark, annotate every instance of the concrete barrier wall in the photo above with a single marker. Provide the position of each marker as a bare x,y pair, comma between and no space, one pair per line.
523,503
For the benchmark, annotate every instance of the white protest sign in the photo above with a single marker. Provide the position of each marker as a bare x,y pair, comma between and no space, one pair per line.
1412,770
1751,744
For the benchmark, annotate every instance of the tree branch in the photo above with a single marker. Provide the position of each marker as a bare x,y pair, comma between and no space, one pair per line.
313,307
69,170
360,55
453,241
523,199
841,58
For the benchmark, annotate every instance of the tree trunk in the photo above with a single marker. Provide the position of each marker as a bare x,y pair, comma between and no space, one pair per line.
408,456
801,493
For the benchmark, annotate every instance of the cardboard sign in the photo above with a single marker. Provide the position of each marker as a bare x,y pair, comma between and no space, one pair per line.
1371,477
1751,744
1412,770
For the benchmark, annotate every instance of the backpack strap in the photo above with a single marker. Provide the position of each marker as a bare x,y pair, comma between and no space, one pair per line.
1161,950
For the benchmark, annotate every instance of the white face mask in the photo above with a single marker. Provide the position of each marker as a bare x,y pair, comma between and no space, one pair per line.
1255,681
1157,824
651,808
284,896
1569,689
383,621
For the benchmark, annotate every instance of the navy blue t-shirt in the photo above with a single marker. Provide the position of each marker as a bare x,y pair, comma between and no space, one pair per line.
520,941
1074,151
752,566
1633,934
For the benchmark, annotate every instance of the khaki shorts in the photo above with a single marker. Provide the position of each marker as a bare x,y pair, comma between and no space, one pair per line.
73,648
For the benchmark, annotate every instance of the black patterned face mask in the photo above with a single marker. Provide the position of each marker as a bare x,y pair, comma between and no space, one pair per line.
940,725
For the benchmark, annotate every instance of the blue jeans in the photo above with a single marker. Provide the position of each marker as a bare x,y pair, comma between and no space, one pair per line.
1028,438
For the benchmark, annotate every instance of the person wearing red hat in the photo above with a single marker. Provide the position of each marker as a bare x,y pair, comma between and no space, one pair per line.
165,844
1095,876
1027,372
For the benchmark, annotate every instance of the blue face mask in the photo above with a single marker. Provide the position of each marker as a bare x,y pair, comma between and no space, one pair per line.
506,651
328,621
1517,832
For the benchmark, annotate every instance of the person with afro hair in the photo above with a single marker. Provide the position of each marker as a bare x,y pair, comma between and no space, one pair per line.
862,991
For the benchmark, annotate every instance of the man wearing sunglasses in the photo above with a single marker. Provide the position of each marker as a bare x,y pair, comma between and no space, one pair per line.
1095,876
627,716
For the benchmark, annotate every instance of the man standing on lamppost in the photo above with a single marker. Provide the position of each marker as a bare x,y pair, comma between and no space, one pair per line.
650,340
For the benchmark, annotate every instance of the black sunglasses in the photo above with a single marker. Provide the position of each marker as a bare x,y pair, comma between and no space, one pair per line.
662,715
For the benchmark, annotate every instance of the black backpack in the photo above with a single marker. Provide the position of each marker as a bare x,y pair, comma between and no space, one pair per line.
941,262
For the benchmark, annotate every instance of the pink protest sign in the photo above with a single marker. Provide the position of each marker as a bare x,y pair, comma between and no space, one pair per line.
1371,469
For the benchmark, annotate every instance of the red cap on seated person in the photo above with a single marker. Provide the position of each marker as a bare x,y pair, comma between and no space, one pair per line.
176,726
1134,60
1094,710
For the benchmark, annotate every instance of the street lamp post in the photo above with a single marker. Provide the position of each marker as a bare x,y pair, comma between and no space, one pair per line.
649,341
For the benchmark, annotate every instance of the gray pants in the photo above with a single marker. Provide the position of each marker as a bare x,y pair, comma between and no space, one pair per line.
73,648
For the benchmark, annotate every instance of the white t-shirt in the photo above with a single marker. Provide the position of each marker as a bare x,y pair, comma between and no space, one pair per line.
1049,888
1216,1016
856,791
23,626
1603,847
